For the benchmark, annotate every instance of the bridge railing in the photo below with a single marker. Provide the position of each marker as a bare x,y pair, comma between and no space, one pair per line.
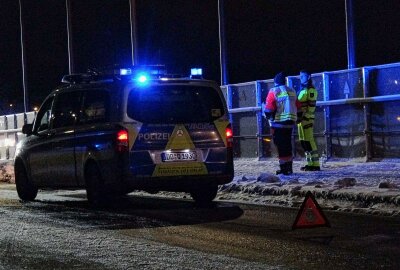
357,115
10,132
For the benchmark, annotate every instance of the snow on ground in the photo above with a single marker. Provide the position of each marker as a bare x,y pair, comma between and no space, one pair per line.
343,184
351,185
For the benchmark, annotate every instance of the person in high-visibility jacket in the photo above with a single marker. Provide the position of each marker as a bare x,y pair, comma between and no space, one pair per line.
281,108
308,99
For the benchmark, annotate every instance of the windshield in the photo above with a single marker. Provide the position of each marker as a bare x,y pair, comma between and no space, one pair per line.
174,104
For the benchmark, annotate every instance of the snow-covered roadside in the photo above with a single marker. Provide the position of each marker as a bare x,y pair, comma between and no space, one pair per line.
347,185
6,172
351,185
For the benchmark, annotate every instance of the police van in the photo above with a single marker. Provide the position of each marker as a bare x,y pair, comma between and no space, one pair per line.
135,129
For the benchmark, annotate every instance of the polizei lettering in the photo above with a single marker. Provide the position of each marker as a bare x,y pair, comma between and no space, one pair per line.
153,136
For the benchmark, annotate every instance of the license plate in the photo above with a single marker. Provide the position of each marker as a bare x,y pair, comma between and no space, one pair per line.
178,156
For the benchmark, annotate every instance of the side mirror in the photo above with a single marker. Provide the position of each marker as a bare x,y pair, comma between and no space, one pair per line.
27,129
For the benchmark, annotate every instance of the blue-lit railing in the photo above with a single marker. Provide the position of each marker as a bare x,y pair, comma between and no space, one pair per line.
357,113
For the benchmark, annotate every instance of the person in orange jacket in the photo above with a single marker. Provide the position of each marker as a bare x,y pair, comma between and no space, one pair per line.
281,108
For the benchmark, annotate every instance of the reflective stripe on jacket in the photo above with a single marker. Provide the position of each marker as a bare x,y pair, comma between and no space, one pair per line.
282,103
308,100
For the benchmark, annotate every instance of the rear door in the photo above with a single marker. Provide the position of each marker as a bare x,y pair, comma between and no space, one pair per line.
180,130
93,131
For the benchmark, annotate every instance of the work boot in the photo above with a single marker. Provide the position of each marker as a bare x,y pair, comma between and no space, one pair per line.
282,169
310,168
313,168
289,168
285,168
303,168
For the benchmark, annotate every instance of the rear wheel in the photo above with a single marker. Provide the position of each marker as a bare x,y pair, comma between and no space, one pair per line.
204,195
95,191
26,190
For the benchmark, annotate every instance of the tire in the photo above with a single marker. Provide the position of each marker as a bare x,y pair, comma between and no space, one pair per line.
26,190
204,195
95,191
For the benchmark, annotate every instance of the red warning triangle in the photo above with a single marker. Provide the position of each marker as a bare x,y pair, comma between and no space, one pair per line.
310,214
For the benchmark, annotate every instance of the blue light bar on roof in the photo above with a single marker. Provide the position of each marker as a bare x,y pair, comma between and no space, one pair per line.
196,72
142,78
125,71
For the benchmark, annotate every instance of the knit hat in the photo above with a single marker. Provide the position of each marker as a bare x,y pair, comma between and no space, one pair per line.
280,78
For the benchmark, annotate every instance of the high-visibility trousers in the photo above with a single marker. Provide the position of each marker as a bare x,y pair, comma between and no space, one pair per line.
306,138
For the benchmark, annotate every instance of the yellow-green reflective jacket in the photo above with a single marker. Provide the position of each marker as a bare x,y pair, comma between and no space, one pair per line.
308,100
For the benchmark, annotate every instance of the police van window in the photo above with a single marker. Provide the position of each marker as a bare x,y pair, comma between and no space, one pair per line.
65,109
174,104
96,107
42,121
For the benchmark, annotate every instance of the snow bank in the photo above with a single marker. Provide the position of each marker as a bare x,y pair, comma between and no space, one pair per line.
6,172
348,185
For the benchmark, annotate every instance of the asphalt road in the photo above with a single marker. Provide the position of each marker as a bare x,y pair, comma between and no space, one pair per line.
60,231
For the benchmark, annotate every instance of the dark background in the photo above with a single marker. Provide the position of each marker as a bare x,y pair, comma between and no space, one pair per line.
263,37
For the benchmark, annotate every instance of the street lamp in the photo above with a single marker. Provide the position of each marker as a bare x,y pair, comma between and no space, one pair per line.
23,60
222,43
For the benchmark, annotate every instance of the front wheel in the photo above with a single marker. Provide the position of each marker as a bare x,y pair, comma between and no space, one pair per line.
26,190
204,195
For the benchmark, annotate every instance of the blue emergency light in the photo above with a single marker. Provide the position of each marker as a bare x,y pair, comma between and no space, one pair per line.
196,73
142,78
125,71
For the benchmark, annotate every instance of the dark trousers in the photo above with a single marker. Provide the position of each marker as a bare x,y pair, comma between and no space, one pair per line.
282,138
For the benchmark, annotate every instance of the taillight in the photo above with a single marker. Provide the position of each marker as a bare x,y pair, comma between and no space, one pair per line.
229,135
122,141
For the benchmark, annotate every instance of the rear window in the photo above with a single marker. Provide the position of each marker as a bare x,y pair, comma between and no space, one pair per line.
174,104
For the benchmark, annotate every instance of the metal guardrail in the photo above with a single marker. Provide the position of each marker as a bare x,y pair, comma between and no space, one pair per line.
330,102
10,132
355,106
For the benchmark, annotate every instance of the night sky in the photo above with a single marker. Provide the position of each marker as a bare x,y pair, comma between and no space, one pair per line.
263,37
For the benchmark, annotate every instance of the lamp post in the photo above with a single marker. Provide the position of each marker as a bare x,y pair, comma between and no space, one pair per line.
351,55
222,43
23,59
71,67
132,5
